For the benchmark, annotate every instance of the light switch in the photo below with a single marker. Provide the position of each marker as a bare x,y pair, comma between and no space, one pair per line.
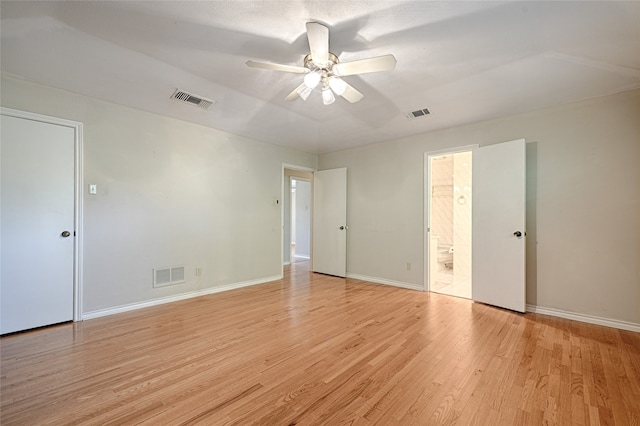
93,189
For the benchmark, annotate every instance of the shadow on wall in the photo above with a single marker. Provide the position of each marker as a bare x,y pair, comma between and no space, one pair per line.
532,235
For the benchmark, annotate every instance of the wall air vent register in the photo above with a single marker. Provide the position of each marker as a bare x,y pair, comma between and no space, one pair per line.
190,98
417,113
163,277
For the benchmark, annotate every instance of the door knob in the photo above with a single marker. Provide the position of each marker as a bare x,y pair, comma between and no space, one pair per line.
518,234
342,228
65,234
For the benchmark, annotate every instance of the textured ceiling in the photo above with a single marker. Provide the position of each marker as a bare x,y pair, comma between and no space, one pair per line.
465,61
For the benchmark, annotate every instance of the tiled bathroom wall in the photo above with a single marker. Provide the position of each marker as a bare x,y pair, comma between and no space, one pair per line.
462,166
442,199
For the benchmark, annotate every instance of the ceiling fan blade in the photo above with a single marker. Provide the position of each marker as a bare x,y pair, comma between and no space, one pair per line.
362,66
318,36
294,94
277,67
351,94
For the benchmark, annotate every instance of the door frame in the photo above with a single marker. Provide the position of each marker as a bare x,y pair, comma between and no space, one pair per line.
282,189
427,203
77,128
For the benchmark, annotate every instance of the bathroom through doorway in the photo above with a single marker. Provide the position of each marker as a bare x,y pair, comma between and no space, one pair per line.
449,223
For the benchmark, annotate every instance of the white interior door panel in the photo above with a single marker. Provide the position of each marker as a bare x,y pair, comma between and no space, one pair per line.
38,196
498,263
330,222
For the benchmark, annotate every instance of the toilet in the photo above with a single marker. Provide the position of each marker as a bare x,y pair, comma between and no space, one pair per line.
442,255
445,255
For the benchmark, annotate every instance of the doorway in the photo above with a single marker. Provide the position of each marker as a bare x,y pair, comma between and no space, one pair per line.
449,207
294,245
300,219
497,238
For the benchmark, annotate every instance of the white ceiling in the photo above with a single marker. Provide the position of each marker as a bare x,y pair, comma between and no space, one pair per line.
465,61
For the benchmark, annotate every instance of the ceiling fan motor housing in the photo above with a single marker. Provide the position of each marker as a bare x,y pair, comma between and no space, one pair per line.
310,64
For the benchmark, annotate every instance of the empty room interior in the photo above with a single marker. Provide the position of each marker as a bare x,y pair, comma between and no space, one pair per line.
318,212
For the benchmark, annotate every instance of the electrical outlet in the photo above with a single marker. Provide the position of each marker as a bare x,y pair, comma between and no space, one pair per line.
198,271
408,266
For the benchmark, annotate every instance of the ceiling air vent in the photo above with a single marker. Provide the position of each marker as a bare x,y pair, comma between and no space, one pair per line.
418,113
190,98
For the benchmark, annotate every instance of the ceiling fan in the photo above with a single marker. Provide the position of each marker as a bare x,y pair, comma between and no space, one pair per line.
322,66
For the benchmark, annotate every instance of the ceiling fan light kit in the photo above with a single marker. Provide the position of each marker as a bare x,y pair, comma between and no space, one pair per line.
337,85
327,96
304,91
312,79
322,66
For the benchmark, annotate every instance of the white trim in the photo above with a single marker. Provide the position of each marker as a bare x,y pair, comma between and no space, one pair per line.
384,281
453,150
302,256
427,203
296,167
591,319
78,245
183,296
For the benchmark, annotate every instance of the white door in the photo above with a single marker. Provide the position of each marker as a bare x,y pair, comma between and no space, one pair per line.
498,235
330,222
37,259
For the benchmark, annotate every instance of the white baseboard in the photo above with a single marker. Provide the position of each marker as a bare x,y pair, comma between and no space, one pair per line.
169,299
302,256
385,281
607,322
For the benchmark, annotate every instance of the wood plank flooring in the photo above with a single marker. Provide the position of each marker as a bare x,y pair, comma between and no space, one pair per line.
311,350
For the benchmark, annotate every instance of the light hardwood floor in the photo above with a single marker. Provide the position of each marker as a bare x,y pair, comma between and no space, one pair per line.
313,349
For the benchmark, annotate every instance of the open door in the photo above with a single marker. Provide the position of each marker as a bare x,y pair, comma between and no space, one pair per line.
330,222
498,241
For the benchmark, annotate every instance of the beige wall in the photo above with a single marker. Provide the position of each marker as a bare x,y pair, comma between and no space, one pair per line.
583,212
169,193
